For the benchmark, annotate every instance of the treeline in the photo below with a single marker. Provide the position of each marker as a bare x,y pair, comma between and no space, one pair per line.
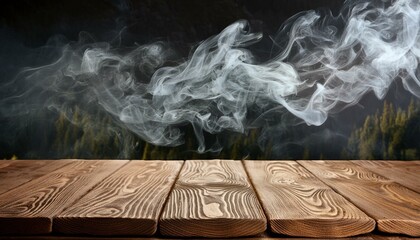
81,135
392,133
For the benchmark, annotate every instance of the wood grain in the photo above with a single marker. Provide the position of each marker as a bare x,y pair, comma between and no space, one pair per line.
259,237
29,208
22,171
395,208
5,163
298,204
212,198
128,202
406,173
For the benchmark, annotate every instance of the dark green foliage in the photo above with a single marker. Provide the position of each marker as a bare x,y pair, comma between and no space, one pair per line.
387,135
77,136
391,133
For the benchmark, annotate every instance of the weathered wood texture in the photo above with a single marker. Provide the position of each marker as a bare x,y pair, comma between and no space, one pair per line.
390,237
406,173
298,204
29,208
22,171
128,202
212,198
259,237
5,163
395,208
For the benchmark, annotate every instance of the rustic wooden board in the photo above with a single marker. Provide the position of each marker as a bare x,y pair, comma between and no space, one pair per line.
411,167
5,163
387,237
22,171
395,208
298,204
29,208
212,198
128,202
259,237
406,173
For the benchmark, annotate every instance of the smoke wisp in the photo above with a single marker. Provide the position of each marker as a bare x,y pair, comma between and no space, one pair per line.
322,64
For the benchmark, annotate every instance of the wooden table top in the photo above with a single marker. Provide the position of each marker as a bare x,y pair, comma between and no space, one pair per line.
122,199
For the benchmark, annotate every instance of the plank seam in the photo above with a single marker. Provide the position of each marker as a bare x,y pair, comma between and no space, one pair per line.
169,194
336,191
257,194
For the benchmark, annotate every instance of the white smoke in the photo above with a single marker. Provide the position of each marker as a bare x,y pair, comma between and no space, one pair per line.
325,63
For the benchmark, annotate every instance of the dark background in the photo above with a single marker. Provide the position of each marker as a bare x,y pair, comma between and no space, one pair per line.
26,26
177,21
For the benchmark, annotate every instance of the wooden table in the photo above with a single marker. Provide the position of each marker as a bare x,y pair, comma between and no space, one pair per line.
122,199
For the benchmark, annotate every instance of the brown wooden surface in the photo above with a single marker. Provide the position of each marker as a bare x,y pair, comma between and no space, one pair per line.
5,163
262,236
128,202
406,173
216,197
22,171
29,208
298,204
212,198
265,235
395,208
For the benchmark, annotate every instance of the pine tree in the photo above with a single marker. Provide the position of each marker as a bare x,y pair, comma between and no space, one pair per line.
388,135
236,147
385,125
154,154
306,154
396,145
411,108
146,149
172,154
60,130
367,139
267,151
352,151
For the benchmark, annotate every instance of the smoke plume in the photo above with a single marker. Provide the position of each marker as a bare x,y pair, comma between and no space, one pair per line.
320,64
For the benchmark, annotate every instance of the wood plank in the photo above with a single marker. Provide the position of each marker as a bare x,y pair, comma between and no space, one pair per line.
298,204
212,198
259,237
61,237
29,208
128,202
22,171
5,163
406,173
390,237
395,208
411,167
